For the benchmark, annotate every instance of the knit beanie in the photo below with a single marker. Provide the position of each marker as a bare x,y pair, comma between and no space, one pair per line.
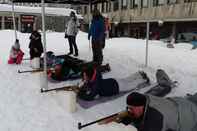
89,70
136,99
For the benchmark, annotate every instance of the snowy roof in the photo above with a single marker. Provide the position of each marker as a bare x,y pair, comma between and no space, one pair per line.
37,10
64,1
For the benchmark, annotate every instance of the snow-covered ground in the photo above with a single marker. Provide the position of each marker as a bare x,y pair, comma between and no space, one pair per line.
24,108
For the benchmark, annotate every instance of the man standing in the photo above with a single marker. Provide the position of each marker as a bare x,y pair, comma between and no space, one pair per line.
72,30
97,32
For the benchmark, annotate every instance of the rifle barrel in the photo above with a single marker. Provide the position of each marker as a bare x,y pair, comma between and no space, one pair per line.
68,88
80,126
25,71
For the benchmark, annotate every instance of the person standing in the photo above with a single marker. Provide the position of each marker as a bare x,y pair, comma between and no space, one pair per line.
72,30
97,32
35,45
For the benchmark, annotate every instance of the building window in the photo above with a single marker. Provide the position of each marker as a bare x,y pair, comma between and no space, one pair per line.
158,2
85,9
103,7
116,5
171,1
124,4
186,1
95,6
136,3
144,3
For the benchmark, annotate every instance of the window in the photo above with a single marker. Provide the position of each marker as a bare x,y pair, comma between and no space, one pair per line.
107,7
136,3
102,7
158,2
171,1
95,6
116,5
124,4
85,10
144,3
189,1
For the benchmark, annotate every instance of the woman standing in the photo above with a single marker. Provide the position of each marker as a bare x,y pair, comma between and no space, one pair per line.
72,30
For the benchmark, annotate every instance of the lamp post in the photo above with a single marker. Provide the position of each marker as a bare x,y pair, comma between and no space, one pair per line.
147,35
44,81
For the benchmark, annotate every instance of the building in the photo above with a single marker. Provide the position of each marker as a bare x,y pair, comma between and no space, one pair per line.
28,16
167,18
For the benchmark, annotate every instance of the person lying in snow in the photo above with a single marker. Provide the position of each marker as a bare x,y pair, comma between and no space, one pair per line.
95,85
16,54
151,113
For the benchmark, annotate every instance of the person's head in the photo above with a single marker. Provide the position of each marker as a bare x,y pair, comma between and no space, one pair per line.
136,103
96,14
16,45
87,72
72,14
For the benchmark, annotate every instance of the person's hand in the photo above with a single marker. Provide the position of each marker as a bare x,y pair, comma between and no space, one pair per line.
36,50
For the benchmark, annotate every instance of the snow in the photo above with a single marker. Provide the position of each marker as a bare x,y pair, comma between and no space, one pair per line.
24,108
37,10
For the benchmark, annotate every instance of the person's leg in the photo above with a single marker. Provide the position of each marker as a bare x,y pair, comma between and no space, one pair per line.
93,51
99,54
75,45
70,45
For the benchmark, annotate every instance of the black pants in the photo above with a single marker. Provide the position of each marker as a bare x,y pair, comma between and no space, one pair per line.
72,44
97,52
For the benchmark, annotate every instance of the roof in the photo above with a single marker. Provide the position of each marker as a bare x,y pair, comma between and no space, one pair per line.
37,10
74,2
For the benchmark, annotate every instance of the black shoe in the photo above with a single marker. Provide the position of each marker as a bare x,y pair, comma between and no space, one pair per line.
144,76
76,54
69,53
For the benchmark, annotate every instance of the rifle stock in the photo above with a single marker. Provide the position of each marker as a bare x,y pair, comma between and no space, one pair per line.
114,117
74,88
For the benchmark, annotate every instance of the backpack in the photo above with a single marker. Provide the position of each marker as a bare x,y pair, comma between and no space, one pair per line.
163,79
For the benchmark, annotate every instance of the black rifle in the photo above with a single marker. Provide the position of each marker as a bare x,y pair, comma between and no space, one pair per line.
74,88
114,117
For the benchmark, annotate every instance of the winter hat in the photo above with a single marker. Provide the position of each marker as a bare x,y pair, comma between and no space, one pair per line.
16,44
136,99
89,70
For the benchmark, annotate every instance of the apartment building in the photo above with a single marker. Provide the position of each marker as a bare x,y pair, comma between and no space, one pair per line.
167,17
26,22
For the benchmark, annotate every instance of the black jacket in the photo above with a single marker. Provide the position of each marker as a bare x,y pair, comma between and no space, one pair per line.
99,87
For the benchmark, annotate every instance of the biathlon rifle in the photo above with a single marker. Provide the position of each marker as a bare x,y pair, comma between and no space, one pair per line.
117,117
74,88
34,71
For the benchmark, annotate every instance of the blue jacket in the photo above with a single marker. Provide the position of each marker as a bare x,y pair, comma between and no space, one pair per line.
97,29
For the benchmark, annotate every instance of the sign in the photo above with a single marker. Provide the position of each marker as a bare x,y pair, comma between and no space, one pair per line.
27,18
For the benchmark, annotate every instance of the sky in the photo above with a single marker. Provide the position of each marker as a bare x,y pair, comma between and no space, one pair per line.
24,108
